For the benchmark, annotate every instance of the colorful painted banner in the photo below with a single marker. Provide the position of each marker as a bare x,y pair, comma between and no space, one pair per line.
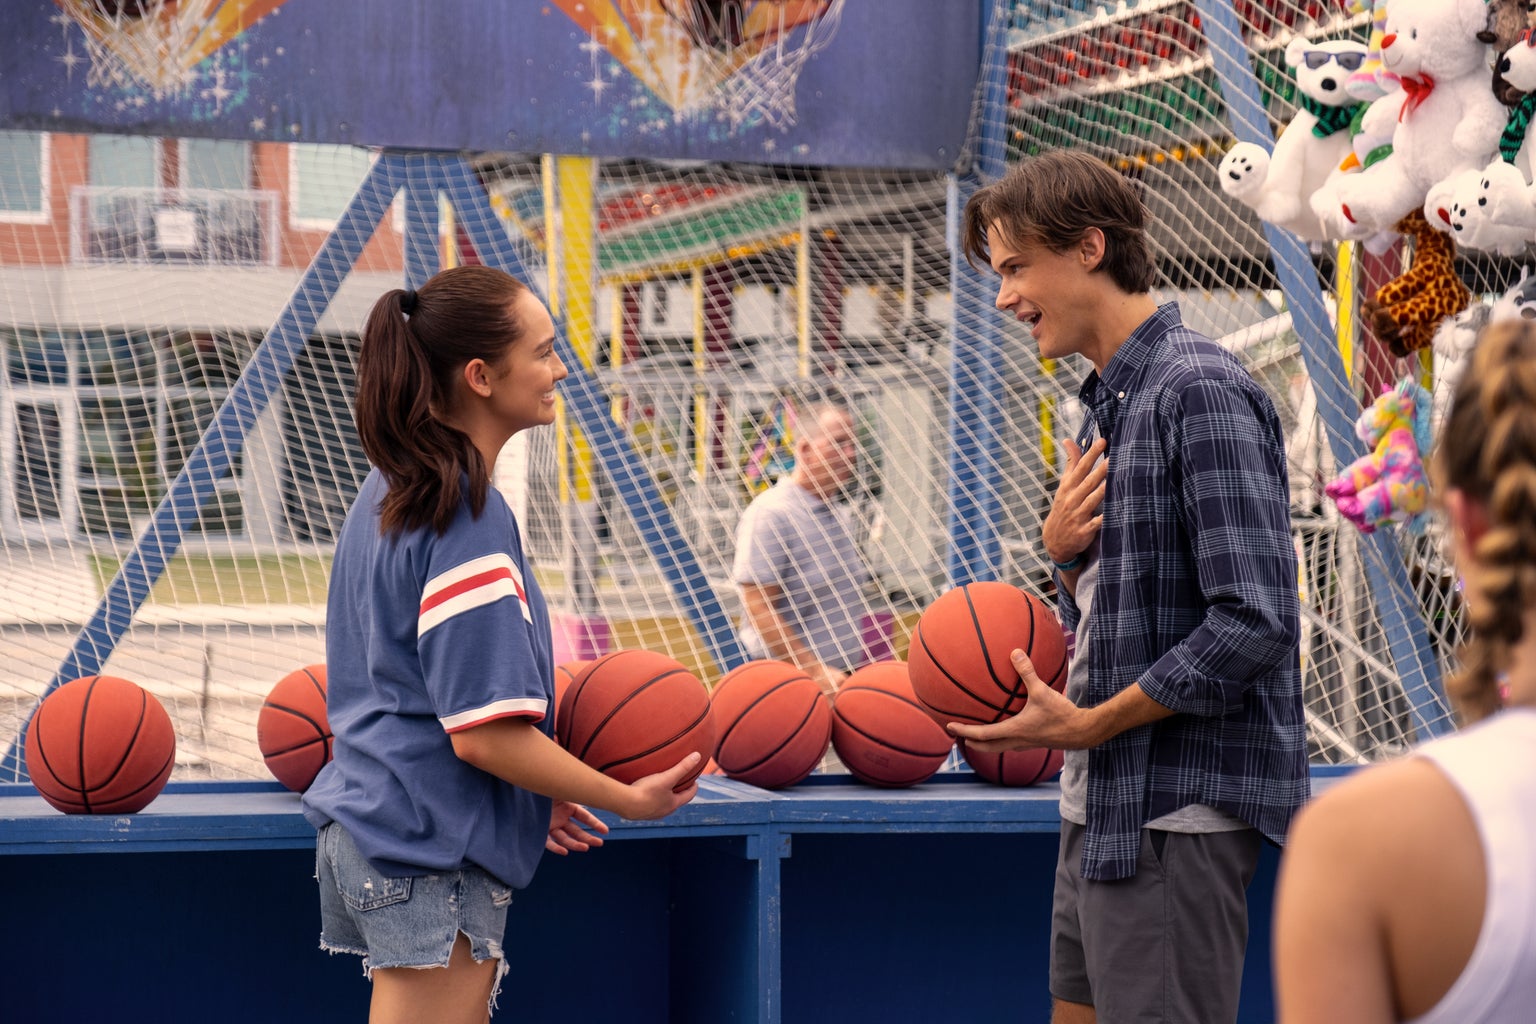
826,82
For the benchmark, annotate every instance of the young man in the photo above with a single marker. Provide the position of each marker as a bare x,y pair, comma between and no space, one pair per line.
797,561
1170,532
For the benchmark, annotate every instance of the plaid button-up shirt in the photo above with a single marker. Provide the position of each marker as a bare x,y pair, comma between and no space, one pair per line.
1196,599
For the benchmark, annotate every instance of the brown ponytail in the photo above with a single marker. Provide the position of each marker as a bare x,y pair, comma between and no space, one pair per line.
1488,452
405,371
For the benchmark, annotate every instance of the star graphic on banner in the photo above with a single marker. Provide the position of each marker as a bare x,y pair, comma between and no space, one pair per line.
70,59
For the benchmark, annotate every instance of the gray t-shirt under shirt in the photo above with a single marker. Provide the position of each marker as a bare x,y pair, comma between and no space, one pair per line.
792,539
1196,818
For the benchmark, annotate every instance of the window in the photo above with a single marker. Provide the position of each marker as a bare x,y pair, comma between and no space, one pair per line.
322,180
215,163
124,161
23,177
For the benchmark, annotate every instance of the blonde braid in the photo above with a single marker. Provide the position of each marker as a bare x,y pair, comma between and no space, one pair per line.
1488,452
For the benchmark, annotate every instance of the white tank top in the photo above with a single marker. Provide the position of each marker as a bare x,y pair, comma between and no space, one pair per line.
1493,765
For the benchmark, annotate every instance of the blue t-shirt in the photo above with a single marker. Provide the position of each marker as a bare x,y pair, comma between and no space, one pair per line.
428,635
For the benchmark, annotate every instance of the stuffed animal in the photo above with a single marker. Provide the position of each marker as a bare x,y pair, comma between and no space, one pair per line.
1405,312
1458,335
1507,19
1495,209
1278,186
1449,120
1370,81
1389,483
1518,303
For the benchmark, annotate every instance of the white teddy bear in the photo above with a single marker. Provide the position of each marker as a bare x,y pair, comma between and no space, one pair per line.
1495,209
1278,186
1449,121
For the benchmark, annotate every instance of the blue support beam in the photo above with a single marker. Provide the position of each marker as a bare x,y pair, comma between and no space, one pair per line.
1407,637
222,441
976,394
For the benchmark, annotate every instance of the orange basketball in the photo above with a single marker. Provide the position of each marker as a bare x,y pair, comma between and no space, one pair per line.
774,724
883,736
633,713
960,652
100,745
564,673
1014,767
891,676
292,729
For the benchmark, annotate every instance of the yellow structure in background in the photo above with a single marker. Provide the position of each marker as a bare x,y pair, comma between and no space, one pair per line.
570,229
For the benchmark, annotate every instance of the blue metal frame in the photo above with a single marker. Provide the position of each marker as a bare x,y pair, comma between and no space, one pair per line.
222,441
976,392
1407,637
422,176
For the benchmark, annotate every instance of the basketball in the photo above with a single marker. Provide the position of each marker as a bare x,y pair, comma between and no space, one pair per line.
634,713
774,724
564,673
1014,767
960,653
292,730
100,745
882,736
891,676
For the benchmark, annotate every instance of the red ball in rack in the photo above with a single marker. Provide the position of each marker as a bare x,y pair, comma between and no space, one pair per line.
774,724
633,713
960,658
293,730
1014,767
881,733
565,672
100,745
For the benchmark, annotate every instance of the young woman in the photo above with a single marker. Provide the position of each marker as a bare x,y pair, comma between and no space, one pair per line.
446,788
1408,892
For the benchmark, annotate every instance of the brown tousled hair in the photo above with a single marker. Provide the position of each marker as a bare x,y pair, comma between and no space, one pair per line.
1487,451
1052,200
405,372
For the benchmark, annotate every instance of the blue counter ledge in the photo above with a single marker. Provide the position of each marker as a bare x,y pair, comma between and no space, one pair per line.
256,815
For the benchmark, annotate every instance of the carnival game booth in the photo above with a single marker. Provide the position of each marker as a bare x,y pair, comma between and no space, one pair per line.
731,208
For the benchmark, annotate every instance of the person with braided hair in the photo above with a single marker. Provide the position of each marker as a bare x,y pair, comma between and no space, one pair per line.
1408,891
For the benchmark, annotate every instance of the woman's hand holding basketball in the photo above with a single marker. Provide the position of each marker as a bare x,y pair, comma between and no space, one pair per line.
655,796
566,831
1074,519
1048,719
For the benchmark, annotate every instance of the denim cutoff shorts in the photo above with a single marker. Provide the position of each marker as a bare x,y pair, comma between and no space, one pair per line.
410,921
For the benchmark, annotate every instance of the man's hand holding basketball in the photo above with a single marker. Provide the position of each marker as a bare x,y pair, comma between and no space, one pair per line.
1048,719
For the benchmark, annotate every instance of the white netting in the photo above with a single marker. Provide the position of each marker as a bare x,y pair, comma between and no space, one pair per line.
708,301
130,43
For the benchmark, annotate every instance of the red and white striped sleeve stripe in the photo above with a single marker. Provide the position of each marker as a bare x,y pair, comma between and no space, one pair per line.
533,708
478,582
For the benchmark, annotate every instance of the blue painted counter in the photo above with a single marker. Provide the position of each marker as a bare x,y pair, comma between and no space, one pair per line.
831,901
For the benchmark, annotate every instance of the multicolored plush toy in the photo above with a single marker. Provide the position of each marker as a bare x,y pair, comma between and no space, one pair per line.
1388,484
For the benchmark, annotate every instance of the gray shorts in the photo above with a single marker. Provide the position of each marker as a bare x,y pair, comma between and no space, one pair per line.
1167,943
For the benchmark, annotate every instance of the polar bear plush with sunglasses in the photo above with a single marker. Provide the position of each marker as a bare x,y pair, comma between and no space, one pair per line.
1278,186
1449,122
